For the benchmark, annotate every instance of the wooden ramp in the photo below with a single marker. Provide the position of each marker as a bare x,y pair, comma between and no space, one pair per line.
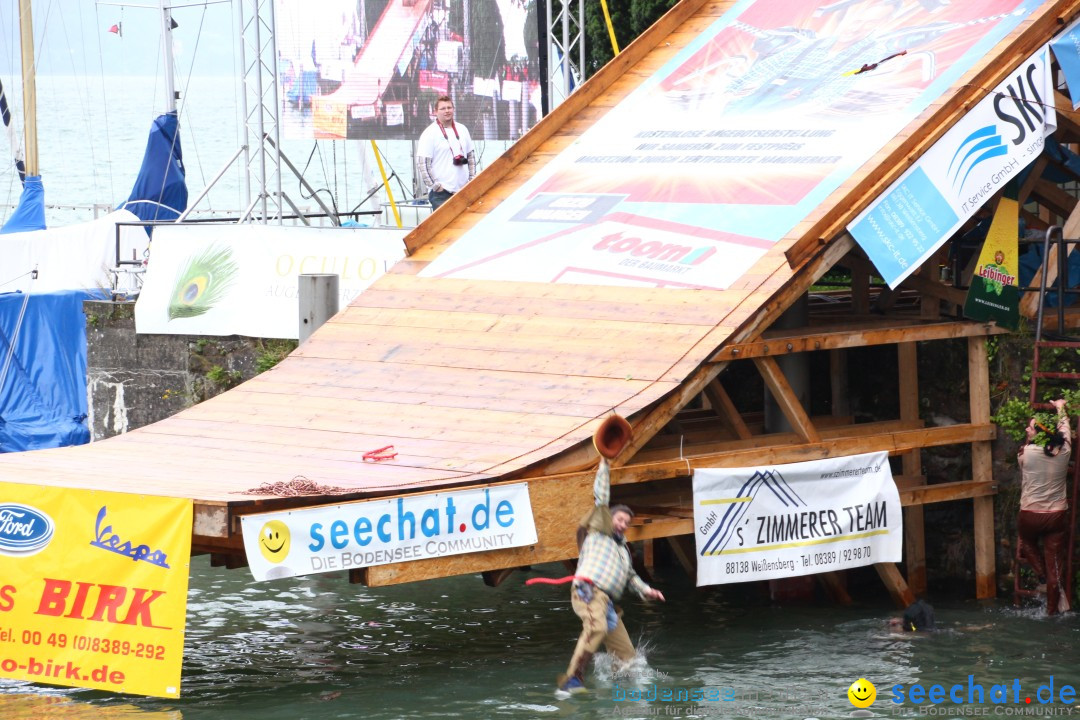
478,381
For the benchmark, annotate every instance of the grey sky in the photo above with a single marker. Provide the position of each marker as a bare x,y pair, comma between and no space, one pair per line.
71,37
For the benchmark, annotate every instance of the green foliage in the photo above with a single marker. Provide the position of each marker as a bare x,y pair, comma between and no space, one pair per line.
271,352
223,378
1012,417
629,18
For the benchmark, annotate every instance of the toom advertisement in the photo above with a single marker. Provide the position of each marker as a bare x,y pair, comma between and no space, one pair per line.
372,69
730,144
243,279
778,521
93,588
380,532
970,165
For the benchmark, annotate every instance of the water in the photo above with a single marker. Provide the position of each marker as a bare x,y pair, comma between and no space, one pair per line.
92,134
318,648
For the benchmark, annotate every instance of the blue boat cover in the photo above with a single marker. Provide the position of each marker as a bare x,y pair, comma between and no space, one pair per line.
160,191
30,214
43,396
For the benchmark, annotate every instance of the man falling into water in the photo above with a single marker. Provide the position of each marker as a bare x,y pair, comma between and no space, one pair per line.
603,571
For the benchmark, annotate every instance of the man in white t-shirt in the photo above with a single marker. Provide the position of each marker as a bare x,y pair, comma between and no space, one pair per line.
444,155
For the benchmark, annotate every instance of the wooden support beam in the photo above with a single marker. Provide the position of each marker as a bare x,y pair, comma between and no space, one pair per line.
494,578
894,583
834,585
1033,177
899,331
838,383
916,497
982,469
786,398
726,409
914,538
685,552
1052,195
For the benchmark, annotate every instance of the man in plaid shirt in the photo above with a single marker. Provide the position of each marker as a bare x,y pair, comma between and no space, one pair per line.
603,571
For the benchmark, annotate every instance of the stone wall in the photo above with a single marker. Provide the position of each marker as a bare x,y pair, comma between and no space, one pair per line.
134,380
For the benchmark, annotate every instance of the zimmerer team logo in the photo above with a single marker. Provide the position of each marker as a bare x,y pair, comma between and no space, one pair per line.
728,527
24,530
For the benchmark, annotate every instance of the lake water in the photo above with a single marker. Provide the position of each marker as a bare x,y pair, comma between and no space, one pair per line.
318,648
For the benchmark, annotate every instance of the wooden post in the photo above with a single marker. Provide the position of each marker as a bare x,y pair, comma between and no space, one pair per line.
838,382
982,469
914,535
894,581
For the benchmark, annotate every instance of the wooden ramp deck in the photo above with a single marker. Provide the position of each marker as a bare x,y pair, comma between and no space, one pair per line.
478,382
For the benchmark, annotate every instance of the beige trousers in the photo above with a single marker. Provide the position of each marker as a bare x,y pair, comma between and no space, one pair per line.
594,632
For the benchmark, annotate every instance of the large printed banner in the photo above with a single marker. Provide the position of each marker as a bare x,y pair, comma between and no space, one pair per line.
380,532
373,69
93,588
974,160
695,175
242,279
763,523
993,294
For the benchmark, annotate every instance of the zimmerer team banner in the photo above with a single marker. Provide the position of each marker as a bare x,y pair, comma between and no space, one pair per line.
729,145
93,588
242,279
780,521
380,532
963,170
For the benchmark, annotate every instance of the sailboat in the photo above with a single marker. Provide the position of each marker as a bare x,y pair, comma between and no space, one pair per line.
43,399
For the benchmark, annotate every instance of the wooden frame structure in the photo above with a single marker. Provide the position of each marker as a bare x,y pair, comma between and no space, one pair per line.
485,382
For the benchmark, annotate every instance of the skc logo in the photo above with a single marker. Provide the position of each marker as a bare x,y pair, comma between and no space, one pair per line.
24,530
979,146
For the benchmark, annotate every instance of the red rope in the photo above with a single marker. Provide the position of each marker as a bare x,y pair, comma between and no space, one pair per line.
556,581
383,453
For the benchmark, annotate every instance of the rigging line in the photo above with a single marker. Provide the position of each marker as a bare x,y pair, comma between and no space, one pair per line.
15,335
21,275
105,97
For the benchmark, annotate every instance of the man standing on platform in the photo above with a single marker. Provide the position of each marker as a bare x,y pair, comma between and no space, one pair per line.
444,155
603,572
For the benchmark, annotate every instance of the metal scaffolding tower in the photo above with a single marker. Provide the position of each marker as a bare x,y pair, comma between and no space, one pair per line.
566,47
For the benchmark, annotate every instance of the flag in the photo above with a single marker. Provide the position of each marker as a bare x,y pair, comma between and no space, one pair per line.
116,30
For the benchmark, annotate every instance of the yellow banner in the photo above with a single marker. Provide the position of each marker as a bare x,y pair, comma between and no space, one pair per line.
93,588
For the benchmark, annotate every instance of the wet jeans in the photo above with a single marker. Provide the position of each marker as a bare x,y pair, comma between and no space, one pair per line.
1049,529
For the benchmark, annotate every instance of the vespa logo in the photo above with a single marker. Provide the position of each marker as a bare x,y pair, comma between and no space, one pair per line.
24,530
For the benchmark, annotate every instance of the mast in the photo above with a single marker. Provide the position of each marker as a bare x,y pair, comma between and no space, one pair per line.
26,38
166,50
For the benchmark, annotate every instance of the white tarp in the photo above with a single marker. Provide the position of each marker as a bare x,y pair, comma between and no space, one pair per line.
74,257
968,166
767,522
242,279
380,532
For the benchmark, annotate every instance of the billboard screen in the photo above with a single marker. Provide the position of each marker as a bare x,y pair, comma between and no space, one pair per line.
372,69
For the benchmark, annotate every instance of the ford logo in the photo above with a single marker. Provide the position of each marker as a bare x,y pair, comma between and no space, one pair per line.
24,530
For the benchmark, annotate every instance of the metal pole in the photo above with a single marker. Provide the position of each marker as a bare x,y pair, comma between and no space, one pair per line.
166,51
243,94
26,38
1042,285
318,301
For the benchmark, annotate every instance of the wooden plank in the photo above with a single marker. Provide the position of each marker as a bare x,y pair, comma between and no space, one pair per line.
901,331
894,582
914,498
914,538
786,398
725,408
982,469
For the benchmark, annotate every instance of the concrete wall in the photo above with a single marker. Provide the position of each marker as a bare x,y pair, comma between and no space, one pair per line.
134,380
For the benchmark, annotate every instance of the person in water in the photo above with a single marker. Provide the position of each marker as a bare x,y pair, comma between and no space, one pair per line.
603,572
1043,523
918,617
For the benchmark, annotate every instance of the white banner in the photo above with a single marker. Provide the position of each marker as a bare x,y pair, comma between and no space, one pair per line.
970,164
242,279
380,532
74,257
763,523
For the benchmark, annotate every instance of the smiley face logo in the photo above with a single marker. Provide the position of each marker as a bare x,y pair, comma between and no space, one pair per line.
274,539
862,693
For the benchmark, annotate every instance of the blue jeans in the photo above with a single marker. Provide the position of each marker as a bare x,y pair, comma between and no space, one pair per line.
437,198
